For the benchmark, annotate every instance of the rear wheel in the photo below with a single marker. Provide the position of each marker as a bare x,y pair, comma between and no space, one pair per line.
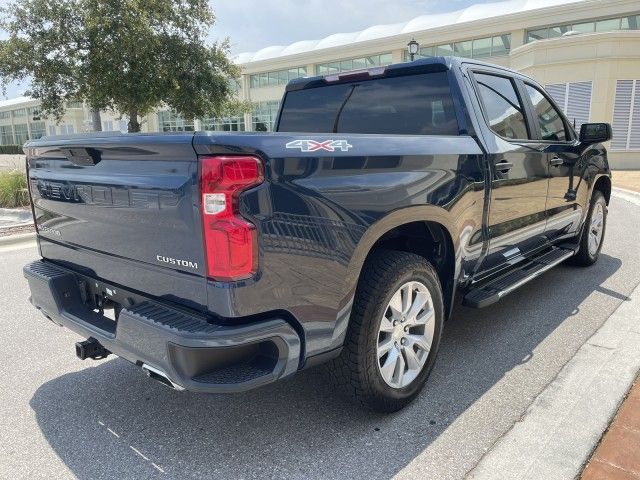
593,232
394,332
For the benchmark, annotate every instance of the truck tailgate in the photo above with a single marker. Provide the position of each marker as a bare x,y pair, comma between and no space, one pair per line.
122,208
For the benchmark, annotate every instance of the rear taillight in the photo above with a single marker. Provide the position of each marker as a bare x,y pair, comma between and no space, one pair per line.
230,240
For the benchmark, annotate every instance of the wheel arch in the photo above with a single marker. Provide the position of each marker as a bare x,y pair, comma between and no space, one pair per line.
428,235
603,184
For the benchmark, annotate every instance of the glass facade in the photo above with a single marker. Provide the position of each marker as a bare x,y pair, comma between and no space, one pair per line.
38,130
21,133
224,124
264,115
476,48
170,121
279,77
629,22
353,64
6,135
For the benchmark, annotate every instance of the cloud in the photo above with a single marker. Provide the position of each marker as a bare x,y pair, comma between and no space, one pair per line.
252,25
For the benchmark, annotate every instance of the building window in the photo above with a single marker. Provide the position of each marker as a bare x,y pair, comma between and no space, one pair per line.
170,121
574,99
476,48
354,64
107,126
21,112
34,113
21,133
224,124
6,135
631,22
279,77
626,116
482,47
66,129
424,52
263,117
5,115
37,130
52,130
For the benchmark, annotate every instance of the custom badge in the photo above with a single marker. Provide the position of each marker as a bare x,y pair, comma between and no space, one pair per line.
314,146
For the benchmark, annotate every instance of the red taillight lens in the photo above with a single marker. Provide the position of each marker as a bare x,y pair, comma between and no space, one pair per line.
230,240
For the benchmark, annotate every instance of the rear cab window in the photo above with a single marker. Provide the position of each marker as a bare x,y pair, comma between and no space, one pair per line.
419,104
503,108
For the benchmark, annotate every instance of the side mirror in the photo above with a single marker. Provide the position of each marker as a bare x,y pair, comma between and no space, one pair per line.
595,133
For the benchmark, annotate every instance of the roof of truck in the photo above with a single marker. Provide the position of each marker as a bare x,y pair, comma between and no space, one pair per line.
423,64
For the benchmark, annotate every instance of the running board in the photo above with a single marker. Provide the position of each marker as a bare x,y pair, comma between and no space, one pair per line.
489,293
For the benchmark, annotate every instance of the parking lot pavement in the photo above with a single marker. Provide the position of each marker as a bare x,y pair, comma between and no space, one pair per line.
62,418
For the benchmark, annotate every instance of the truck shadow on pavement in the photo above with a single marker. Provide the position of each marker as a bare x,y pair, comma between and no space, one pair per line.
110,421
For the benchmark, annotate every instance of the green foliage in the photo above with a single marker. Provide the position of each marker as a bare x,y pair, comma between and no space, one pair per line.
129,56
13,189
11,150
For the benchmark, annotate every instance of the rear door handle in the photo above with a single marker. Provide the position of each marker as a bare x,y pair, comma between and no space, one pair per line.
556,162
504,166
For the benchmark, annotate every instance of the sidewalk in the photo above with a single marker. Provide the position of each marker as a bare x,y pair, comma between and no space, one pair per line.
627,179
559,431
618,455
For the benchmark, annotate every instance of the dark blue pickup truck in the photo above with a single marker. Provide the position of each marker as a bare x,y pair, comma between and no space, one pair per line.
219,262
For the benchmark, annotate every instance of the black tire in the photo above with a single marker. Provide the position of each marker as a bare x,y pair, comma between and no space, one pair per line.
357,370
583,257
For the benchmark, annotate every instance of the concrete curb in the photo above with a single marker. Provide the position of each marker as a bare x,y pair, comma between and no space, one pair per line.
558,432
13,240
628,195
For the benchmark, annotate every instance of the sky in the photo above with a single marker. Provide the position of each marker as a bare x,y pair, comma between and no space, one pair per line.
255,24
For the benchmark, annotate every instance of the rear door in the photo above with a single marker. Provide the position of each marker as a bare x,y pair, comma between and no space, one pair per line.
519,171
567,194
122,208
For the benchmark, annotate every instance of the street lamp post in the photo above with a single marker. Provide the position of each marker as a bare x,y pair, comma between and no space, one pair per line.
412,48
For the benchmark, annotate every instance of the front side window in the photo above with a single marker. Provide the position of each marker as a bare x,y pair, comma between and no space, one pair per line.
503,108
552,127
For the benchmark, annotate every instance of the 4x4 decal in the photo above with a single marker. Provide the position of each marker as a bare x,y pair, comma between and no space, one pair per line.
314,146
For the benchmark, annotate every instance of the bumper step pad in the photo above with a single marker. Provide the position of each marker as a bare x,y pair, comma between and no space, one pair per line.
185,346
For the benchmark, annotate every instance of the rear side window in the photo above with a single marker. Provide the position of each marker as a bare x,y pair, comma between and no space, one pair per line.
503,108
408,105
552,126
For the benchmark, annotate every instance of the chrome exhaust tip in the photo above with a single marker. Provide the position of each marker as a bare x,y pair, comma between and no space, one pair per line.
161,377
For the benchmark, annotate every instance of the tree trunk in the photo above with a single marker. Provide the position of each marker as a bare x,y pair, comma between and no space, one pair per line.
134,125
96,121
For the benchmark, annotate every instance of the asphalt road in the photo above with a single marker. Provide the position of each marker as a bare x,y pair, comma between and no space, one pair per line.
63,418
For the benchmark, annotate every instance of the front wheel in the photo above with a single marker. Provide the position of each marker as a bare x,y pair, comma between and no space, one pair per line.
394,332
593,232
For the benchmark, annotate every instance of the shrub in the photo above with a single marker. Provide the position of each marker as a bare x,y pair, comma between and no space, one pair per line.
11,150
13,189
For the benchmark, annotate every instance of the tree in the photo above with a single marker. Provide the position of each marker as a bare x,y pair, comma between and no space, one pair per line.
130,56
